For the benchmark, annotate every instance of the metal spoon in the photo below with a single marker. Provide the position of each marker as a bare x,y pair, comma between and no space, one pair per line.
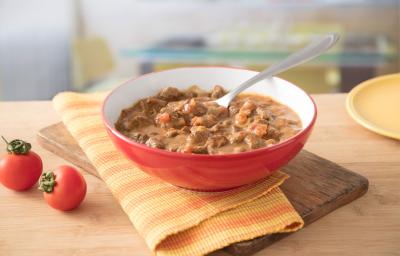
307,53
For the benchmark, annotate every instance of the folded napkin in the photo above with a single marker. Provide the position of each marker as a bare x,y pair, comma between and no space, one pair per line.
172,220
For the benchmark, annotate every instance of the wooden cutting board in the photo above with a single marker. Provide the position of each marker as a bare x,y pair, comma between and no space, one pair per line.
316,186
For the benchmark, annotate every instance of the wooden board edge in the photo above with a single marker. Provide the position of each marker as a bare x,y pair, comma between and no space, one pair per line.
257,244
56,149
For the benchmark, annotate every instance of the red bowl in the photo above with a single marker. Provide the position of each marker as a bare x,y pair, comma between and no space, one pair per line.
208,172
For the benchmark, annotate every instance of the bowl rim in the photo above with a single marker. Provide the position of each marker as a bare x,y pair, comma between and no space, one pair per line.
277,146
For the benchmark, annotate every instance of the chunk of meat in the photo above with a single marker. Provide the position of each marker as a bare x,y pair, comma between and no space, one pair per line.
174,106
170,94
178,122
198,135
189,148
233,108
136,121
170,133
259,120
217,92
247,108
200,150
235,128
258,129
155,142
138,137
170,120
201,129
273,133
216,110
237,137
125,113
206,120
216,128
264,113
185,129
241,119
153,104
217,141
220,127
253,141
195,108
195,91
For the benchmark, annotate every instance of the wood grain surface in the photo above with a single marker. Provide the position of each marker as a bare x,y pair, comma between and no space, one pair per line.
315,188
368,226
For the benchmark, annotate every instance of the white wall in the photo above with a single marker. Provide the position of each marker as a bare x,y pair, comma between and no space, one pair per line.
35,40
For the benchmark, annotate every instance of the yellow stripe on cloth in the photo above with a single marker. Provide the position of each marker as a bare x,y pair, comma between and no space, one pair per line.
175,221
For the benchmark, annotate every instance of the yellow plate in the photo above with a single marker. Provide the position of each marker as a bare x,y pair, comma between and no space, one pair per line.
375,104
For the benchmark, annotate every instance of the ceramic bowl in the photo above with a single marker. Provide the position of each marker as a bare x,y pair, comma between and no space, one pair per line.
208,172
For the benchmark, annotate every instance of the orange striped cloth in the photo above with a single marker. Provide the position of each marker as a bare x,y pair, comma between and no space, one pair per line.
175,221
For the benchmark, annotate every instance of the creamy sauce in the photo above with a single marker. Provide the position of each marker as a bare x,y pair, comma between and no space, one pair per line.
252,121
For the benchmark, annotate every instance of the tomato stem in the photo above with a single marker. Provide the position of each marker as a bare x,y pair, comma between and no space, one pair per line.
4,139
18,147
47,182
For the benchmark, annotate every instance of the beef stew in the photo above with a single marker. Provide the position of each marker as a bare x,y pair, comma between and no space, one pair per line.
189,122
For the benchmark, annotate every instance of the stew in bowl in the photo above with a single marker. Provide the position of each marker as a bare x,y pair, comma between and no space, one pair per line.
188,121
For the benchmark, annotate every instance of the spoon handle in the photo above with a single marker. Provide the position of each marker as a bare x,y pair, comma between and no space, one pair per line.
307,53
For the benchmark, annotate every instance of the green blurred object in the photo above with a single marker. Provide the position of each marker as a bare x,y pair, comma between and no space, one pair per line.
356,56
312,79
105,85
92,61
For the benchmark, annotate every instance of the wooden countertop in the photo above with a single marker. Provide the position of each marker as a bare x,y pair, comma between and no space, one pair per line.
368,226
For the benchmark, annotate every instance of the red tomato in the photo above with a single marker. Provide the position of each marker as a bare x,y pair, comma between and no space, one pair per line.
20,169
64,188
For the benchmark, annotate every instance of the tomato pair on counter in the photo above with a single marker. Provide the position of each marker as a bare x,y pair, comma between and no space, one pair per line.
20,169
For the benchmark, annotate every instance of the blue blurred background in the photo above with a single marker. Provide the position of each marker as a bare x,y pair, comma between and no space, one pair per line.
48,46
